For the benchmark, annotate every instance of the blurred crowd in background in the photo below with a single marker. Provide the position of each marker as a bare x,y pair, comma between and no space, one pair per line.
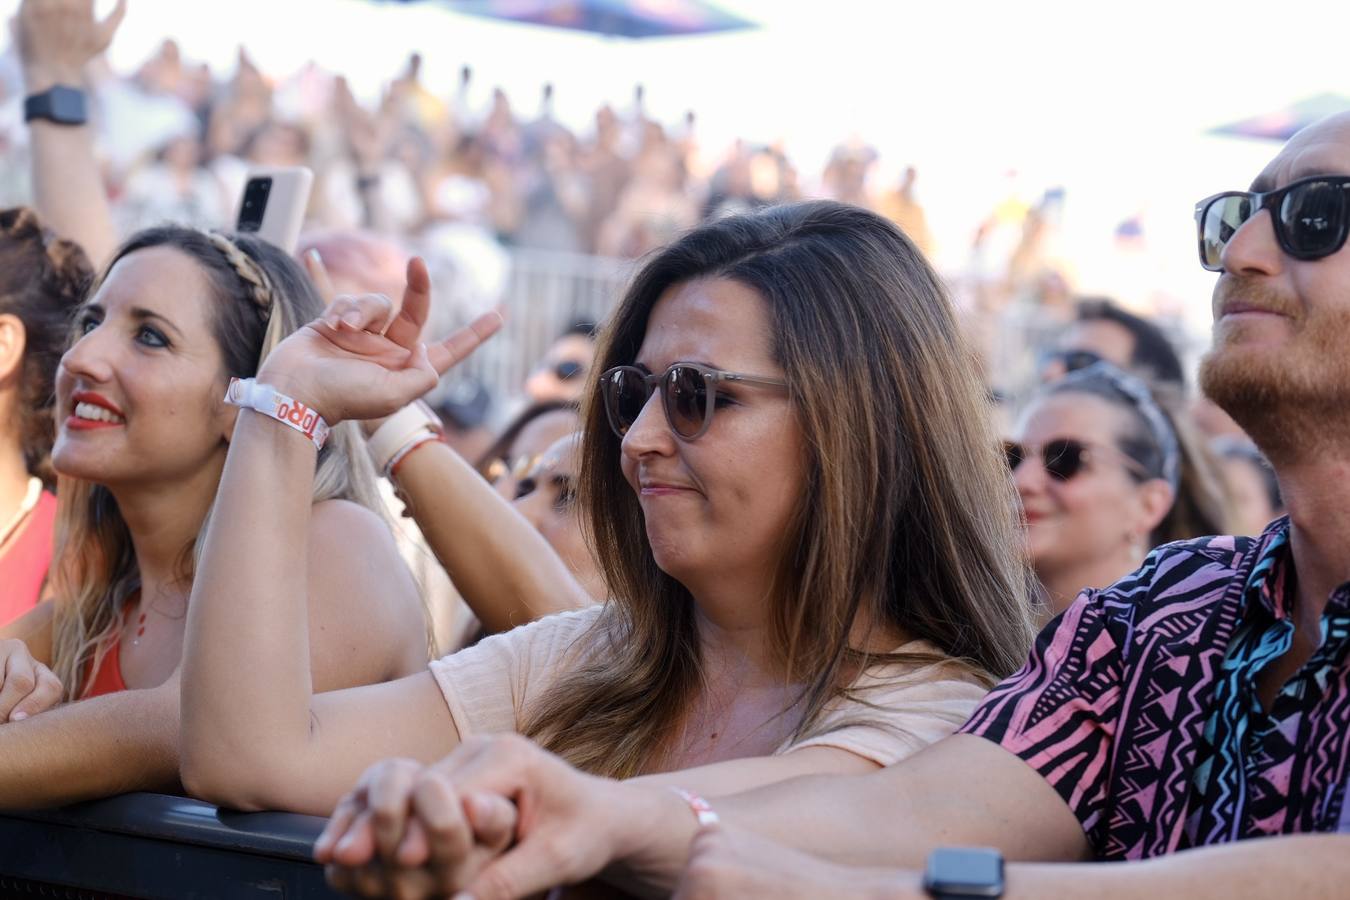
512,208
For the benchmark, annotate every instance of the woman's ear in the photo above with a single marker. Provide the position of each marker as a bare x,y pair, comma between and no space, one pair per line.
13,341
1155,502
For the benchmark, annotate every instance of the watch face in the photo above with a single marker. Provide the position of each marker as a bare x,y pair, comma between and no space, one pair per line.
67,105
964,872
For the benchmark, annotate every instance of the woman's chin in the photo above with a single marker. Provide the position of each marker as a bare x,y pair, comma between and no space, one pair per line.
70,462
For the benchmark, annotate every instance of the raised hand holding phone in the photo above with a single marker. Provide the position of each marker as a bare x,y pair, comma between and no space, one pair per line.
364,358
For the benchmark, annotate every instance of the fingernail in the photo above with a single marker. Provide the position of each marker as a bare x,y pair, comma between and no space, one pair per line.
313,254
462,895
351,319
18,717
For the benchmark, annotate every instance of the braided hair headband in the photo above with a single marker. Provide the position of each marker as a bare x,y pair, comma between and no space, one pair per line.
258,284
1141,398
249,272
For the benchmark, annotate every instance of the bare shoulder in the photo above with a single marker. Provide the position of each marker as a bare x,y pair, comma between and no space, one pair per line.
362,598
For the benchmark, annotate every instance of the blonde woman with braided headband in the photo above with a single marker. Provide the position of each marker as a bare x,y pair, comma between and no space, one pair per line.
143,432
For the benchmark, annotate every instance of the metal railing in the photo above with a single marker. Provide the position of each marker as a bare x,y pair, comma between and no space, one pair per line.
545,293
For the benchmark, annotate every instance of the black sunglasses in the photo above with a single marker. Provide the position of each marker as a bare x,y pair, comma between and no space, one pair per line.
688,393
1073,360
1311,218
1063,458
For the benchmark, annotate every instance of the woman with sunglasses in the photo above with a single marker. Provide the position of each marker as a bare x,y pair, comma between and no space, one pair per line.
774,613
1105,473
515,451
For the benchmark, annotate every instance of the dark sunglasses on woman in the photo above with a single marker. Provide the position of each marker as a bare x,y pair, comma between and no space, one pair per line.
1311,218
1063,458
688,394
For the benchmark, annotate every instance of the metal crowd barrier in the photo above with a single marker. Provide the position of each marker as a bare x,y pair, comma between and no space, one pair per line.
156,846
545,293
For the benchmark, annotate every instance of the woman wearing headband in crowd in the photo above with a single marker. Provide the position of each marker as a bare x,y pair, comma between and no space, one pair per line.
42,279
140,448
775,614
1105,473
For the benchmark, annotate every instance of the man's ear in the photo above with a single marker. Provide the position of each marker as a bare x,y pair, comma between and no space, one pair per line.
13,342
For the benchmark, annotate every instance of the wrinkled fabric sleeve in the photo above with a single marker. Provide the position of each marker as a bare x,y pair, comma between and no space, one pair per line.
490,687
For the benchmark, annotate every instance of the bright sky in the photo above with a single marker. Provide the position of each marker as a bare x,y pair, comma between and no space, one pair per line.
1108,99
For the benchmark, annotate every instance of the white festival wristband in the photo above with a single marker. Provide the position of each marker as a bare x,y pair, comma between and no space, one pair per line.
263,398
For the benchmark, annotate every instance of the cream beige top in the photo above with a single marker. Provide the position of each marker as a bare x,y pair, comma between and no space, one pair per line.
898,709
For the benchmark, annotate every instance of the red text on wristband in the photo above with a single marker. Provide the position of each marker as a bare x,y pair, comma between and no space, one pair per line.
263,398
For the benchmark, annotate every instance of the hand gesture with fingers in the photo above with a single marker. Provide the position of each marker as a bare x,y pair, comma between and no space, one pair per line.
27,687
365,359
57,38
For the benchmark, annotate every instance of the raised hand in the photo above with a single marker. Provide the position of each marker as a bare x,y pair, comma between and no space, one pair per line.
364,358
27,687
57,38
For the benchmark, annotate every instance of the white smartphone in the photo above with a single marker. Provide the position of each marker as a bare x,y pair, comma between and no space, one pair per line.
273,205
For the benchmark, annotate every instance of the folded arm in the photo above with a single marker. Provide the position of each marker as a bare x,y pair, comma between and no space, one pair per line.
962,790
255,735
1288,866
94,748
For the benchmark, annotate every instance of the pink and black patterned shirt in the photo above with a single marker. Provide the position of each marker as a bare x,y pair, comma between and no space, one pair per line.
1139,704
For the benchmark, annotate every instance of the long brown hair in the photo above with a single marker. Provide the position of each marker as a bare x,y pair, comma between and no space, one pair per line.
42,280
94,567
906,519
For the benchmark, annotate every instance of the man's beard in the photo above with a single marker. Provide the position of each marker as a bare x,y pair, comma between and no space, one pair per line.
1294,400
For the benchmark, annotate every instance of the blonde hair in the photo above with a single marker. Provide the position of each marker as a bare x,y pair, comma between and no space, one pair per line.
906,519
260,297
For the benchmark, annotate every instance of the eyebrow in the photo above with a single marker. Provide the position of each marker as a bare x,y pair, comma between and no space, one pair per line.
141,314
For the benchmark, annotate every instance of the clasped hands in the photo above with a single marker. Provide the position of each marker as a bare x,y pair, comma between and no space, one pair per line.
498,818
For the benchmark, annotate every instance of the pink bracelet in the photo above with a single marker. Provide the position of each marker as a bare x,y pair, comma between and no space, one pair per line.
702,809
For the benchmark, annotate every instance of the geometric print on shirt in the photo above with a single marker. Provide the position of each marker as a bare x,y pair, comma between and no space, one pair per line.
1138,704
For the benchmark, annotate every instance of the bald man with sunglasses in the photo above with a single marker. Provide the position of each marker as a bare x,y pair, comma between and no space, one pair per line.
1191,722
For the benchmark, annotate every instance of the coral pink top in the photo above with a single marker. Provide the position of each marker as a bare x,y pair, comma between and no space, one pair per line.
25,559
108,678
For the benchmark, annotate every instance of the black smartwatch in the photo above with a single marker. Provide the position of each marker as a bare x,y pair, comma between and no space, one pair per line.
60,104
960,872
